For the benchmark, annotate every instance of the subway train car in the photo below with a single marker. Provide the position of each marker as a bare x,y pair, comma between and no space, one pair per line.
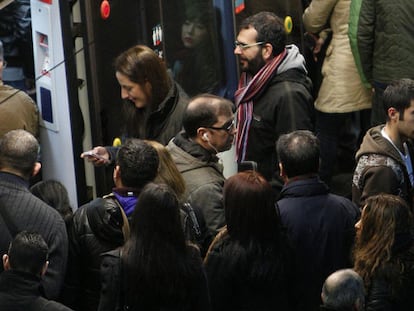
75,43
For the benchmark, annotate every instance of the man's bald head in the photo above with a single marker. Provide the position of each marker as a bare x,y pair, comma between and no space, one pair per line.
344,289
203,111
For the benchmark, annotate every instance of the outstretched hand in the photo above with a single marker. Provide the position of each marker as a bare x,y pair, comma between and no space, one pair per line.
98,156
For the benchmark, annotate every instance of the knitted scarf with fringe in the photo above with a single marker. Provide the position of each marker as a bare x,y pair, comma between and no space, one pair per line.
249,87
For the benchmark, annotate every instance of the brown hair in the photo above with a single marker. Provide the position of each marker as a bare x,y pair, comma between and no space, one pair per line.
249,206
384,218
140,64
167,170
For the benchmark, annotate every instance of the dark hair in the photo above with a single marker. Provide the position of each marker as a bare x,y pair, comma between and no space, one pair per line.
298,152
249,206
140,64
28,252
343,289
270,29
138,162
156,252
54,194
398,95
201,11
203,110
203,60
19,151
254,242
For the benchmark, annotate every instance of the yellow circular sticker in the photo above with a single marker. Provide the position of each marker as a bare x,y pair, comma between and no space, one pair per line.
288,24
117,142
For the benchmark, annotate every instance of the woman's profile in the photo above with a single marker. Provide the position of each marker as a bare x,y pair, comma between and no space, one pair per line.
384,253
153,103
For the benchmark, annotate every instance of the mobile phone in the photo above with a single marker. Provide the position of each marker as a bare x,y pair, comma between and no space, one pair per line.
92,154
246,166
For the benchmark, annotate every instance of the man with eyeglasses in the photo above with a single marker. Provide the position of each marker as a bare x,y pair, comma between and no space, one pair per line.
209,129
274,93
17,109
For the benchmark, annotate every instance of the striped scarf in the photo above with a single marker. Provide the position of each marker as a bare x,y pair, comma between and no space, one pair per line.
247,90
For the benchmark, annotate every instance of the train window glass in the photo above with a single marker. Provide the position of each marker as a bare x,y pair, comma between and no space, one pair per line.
193,45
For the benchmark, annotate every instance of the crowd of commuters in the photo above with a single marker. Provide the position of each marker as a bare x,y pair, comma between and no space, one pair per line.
175,234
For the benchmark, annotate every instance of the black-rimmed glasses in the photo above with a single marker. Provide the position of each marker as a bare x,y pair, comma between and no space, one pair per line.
228,126
244,46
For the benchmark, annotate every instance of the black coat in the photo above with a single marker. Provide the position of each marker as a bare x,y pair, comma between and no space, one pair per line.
284,106
21,291
114,295
320,226
21,210
96,228
250,276
391,287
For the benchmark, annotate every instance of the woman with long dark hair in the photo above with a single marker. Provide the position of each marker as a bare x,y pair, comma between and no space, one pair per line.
156,269
248,262
384,253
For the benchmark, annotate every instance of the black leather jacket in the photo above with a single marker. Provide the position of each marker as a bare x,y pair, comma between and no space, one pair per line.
392,286
97,228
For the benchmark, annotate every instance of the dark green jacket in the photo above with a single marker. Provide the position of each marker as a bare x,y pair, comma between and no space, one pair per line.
381,33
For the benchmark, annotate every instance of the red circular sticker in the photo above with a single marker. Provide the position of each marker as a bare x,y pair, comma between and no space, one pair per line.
105,9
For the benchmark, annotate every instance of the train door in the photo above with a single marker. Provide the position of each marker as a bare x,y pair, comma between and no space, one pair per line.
107,28
61,131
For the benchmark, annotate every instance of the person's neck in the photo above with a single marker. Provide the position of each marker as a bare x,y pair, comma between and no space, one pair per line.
395,136
299,177
13,172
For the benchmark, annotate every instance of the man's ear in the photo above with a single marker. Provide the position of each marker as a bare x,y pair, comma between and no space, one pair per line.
6,262
36,168
117,173
393,114
281,170
42,273
267,51
202,135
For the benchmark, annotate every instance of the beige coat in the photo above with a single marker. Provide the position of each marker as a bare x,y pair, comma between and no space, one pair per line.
341,90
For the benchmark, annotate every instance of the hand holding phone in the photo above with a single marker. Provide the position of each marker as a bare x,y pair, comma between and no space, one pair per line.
92,154
98,156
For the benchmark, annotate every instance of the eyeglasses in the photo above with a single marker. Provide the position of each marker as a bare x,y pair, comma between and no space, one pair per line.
244,46
228,126
4,64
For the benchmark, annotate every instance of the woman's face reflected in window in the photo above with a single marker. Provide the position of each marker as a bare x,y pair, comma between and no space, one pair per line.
192,33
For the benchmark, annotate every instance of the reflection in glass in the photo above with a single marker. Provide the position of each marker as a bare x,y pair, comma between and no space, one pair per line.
196,61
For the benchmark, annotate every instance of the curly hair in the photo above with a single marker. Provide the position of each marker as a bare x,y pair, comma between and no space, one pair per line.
386,220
